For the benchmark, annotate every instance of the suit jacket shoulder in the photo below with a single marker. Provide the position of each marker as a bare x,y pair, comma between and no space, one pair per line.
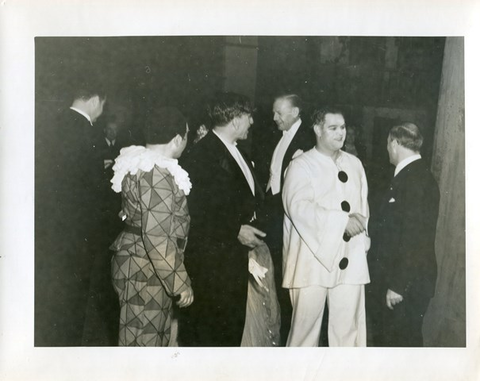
220,200
304,140
417,176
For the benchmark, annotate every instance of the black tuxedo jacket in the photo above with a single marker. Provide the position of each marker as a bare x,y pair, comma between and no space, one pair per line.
67,227
272,214
220,202
72,183
304,140
108,152
402,258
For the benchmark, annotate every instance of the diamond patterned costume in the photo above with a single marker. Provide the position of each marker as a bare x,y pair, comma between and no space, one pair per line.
148,269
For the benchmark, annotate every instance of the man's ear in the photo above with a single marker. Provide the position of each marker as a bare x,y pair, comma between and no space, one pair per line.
317,129
177,140
235,122
295,112
94,101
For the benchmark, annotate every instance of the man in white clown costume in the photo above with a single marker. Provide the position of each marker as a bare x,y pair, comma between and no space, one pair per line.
325,243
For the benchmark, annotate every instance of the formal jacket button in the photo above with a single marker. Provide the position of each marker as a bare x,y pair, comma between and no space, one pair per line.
346,237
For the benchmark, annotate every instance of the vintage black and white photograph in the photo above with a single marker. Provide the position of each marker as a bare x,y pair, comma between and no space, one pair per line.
265,197
128,220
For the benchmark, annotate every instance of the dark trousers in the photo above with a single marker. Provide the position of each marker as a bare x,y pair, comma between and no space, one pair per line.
103,311
219,275
400,327
61,290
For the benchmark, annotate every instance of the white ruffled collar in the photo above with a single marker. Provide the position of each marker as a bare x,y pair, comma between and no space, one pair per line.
134,158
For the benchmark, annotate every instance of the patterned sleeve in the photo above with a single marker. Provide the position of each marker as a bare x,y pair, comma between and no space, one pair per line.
165,224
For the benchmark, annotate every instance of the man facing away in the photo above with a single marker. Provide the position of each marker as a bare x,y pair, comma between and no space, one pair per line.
68,221
325,245
222,205
402,261
296,138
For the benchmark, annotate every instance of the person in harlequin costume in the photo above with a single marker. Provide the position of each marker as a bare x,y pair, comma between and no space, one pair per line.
148,272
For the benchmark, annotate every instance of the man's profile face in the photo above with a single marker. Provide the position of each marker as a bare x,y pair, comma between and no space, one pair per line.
331,135
284,115
391,153
244,122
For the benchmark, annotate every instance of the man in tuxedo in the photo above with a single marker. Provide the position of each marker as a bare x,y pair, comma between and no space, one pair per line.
296,138
67,220
402,261
222,205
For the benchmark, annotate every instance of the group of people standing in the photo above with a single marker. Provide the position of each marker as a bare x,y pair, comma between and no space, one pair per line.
237,263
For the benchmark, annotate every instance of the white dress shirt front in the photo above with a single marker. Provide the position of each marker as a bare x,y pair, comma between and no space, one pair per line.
232,148
110,143
278,155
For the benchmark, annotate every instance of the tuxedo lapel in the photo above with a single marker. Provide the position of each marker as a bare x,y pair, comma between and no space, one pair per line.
292,148
228,163
258,188
225,159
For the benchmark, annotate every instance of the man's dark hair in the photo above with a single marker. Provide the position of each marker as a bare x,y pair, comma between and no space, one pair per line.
318,116
163,124
294,99
407,135
227,106
87,86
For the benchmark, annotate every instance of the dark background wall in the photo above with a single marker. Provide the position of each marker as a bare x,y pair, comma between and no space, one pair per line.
136,71
378,81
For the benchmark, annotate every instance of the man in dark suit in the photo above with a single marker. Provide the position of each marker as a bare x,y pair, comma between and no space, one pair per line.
101,326
296,138
222,206
109,146
67,221
402,260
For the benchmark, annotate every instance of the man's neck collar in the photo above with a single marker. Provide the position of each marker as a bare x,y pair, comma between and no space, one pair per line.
82,112
161,149
333,155
406,161
294,127
224,136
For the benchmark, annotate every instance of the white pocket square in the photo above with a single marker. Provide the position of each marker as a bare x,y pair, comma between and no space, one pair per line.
391,200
